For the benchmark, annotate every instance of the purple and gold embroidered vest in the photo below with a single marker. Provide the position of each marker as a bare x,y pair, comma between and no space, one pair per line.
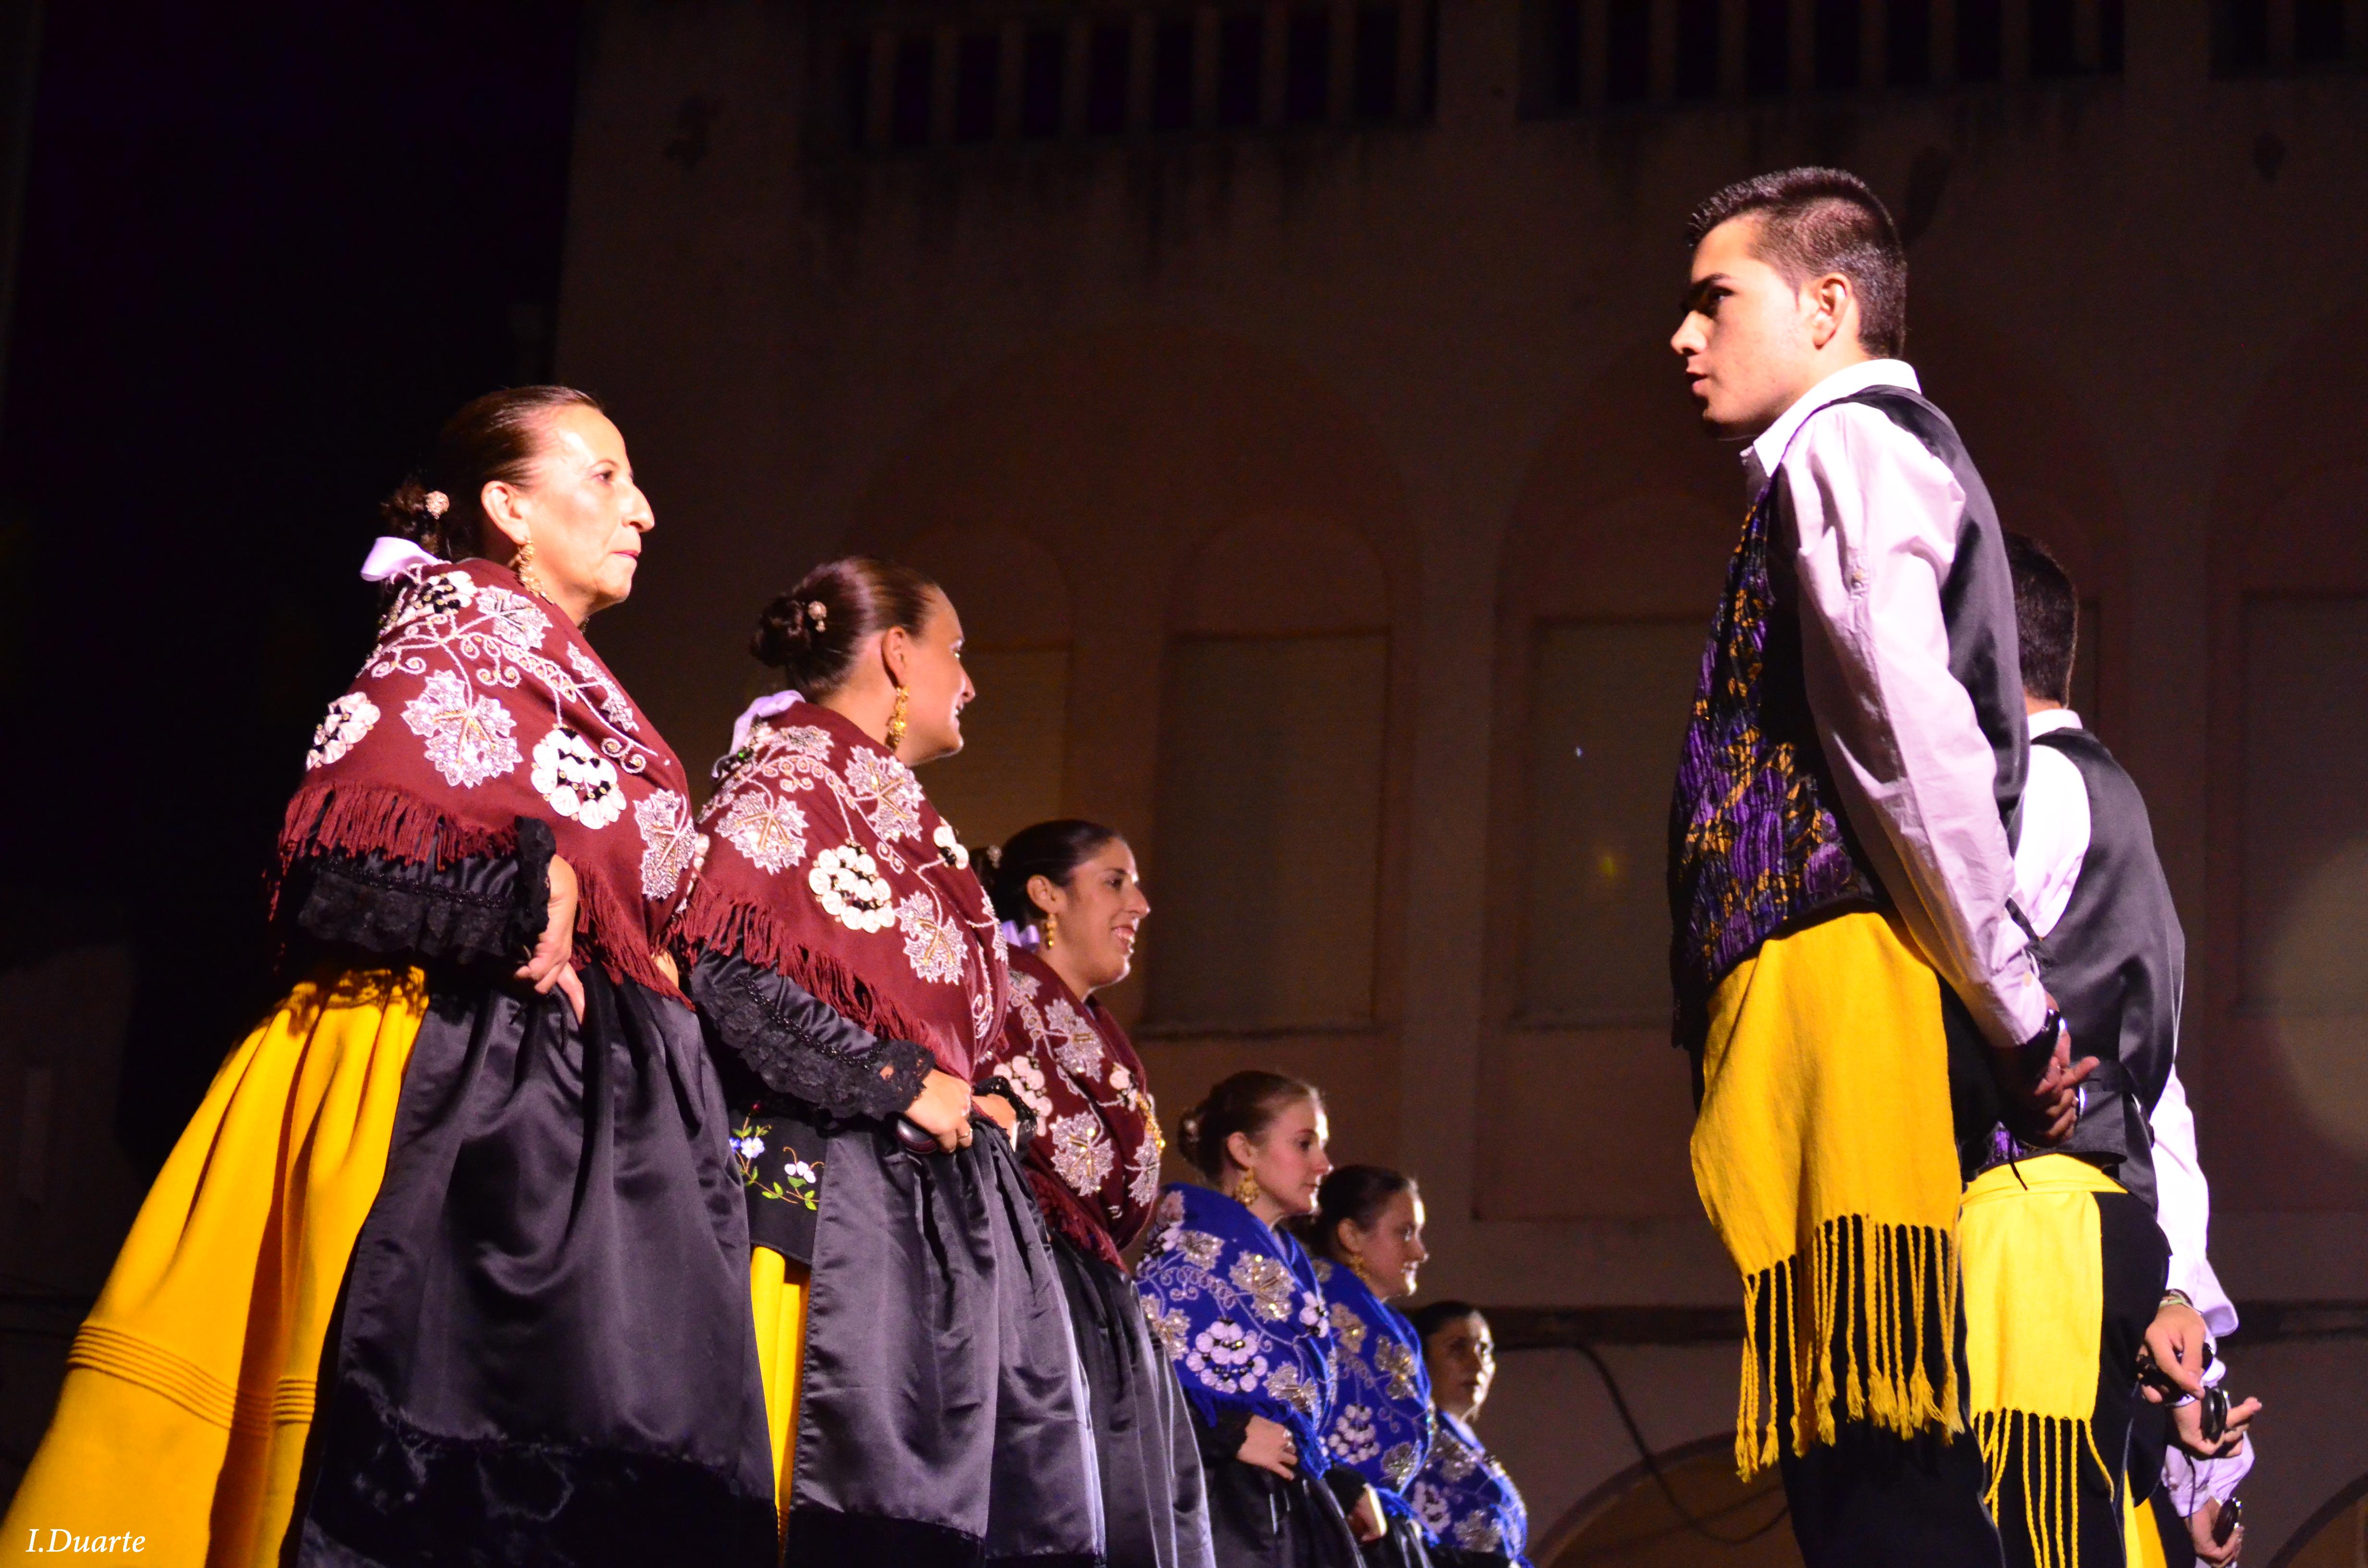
1758,843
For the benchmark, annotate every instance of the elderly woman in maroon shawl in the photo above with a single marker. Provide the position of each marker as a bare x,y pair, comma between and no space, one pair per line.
1072,905
447,1268
920,1376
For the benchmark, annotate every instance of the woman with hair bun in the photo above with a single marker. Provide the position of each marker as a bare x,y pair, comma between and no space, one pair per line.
1367,1237
920,1378
1235,1303
1072,904
1468,1504
473,1172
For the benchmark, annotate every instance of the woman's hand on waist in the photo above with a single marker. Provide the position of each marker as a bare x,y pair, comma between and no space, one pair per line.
551,966
942,1110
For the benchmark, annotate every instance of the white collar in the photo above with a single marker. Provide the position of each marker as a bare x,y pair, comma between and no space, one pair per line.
1768,451
391,558
2048,720
772,705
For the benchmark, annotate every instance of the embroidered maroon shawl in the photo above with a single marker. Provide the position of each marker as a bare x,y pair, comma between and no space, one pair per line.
1095,1159
482,704
830,867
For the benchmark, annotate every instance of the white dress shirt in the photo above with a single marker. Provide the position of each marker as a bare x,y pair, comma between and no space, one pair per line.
2047,859
1875,517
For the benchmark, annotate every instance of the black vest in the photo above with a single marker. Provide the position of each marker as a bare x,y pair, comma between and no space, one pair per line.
1977,599
2116,963
1977,611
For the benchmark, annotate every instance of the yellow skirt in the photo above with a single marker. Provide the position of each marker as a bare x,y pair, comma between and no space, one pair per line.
189,1391
777,1296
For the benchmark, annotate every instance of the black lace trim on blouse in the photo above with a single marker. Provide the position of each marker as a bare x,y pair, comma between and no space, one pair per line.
803,1048
484,911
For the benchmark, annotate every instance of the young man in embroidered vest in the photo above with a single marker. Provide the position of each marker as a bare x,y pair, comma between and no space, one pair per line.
1860,1004
2066,1265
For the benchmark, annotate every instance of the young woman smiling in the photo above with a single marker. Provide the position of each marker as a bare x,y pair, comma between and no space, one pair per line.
919,1373
1237,1307
1072,905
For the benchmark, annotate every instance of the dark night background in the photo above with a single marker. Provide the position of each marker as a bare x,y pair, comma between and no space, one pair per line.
263,251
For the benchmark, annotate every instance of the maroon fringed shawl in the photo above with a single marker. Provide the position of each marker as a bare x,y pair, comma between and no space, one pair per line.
482,704
831,868
1095,1159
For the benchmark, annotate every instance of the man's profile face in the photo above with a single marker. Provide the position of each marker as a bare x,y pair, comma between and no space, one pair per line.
1746,338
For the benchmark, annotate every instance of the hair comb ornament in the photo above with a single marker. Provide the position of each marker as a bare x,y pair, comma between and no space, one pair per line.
818,615
436,503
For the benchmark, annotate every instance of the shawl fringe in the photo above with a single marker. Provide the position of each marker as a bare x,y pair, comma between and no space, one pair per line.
327,818
1063,1211
736,927
1865,1320
2042,1456
345,819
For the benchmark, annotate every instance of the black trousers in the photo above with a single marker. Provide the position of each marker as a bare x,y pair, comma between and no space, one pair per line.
1876,1500
1873,1499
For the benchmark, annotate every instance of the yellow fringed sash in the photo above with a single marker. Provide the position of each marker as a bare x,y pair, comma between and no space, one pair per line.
2034,1313
1825,1157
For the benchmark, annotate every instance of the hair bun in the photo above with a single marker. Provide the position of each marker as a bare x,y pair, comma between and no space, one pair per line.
787,631
1187,1132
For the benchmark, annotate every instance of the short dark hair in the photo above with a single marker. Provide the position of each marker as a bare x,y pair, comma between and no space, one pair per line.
1052,850
1352,1192
812,633
1247,1103
499,436
1811,221
2046,618
1432,1316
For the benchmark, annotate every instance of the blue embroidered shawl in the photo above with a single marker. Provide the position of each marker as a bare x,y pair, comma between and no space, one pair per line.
1757,838
1240,1310
1381,1424
1465,1499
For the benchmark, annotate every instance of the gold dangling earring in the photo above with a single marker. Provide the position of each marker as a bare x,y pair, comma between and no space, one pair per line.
896,720
1052,932
1246,1192
523,564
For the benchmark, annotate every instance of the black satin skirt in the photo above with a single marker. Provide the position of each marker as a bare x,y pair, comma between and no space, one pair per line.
543,1353
942,1409
1256,1519
1154,1506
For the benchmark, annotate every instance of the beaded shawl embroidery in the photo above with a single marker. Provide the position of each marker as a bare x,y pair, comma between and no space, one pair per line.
1238,1307
1756,840
1382,1422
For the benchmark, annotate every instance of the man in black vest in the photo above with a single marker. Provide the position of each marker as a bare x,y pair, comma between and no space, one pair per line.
1856,1001
2065,1261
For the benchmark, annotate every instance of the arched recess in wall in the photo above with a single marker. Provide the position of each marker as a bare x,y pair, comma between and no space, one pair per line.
1695,1514
1612,569
1014,604
2335,1535
2282,998
1192,490
1273,774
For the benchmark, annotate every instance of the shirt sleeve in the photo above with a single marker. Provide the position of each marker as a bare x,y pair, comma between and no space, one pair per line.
2190,1480
2054,839
2183,1208
1875,515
